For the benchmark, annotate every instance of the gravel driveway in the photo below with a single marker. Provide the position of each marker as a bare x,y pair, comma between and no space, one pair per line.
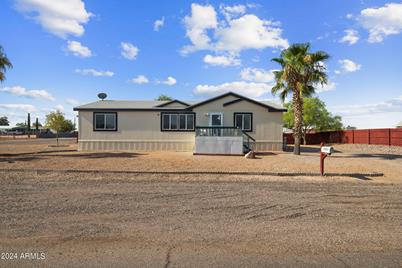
91,220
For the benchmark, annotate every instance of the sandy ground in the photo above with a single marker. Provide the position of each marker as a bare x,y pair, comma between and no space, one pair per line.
36,154
98,220
64,219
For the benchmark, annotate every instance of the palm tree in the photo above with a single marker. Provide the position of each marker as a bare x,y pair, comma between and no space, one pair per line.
301,72
4,63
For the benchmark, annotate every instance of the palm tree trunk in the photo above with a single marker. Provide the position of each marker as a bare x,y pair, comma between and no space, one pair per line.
57,138
298,112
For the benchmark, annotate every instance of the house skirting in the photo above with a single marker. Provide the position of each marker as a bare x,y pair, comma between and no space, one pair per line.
174,146
177,146
266,146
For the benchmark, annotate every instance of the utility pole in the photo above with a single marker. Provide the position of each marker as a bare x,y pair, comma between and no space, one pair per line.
29,125
37,126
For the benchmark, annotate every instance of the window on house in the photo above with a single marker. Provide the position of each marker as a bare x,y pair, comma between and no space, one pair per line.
177,122
105,121
244,121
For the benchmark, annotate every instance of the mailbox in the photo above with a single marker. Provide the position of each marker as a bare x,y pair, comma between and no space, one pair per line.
327,150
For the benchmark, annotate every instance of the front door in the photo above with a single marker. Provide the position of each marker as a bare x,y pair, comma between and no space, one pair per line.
216,120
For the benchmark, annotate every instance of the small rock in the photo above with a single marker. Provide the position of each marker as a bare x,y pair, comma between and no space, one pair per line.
250,155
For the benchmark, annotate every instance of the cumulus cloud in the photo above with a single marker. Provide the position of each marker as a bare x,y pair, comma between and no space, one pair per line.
232,11
381,22
233,35
23,92
257,75
129,51
221,60
351,37
326,87
61,18
72,101
249,89
94,72
28,108
249,32
256,82
348,66
77,49
140,79
158,24
202,18
170,81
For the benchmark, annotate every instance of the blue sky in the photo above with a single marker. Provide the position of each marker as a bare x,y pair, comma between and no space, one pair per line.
65,53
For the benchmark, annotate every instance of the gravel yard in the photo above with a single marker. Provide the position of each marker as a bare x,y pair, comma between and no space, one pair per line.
92,220
37,154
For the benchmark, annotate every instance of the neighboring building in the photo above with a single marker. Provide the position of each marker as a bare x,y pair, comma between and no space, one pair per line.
399,125
216,125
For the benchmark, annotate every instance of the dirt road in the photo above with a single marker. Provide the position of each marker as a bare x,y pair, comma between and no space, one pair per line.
85,220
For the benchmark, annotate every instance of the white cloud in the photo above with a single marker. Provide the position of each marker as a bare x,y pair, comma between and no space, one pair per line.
326,87
381,22
23,92
232,11
233,35
28,108
202,18
158,24
253,90
257,75
59,107
348,66
61,18
72,101
373,115
129,51
351,37
94,72
249,32
140,79
170,81
77,49
349,16
392,105
221,60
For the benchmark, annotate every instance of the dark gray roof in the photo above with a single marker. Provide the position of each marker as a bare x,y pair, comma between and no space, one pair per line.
120,104
272,104
158,105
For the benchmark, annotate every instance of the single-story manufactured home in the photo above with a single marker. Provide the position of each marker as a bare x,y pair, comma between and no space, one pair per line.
226,124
